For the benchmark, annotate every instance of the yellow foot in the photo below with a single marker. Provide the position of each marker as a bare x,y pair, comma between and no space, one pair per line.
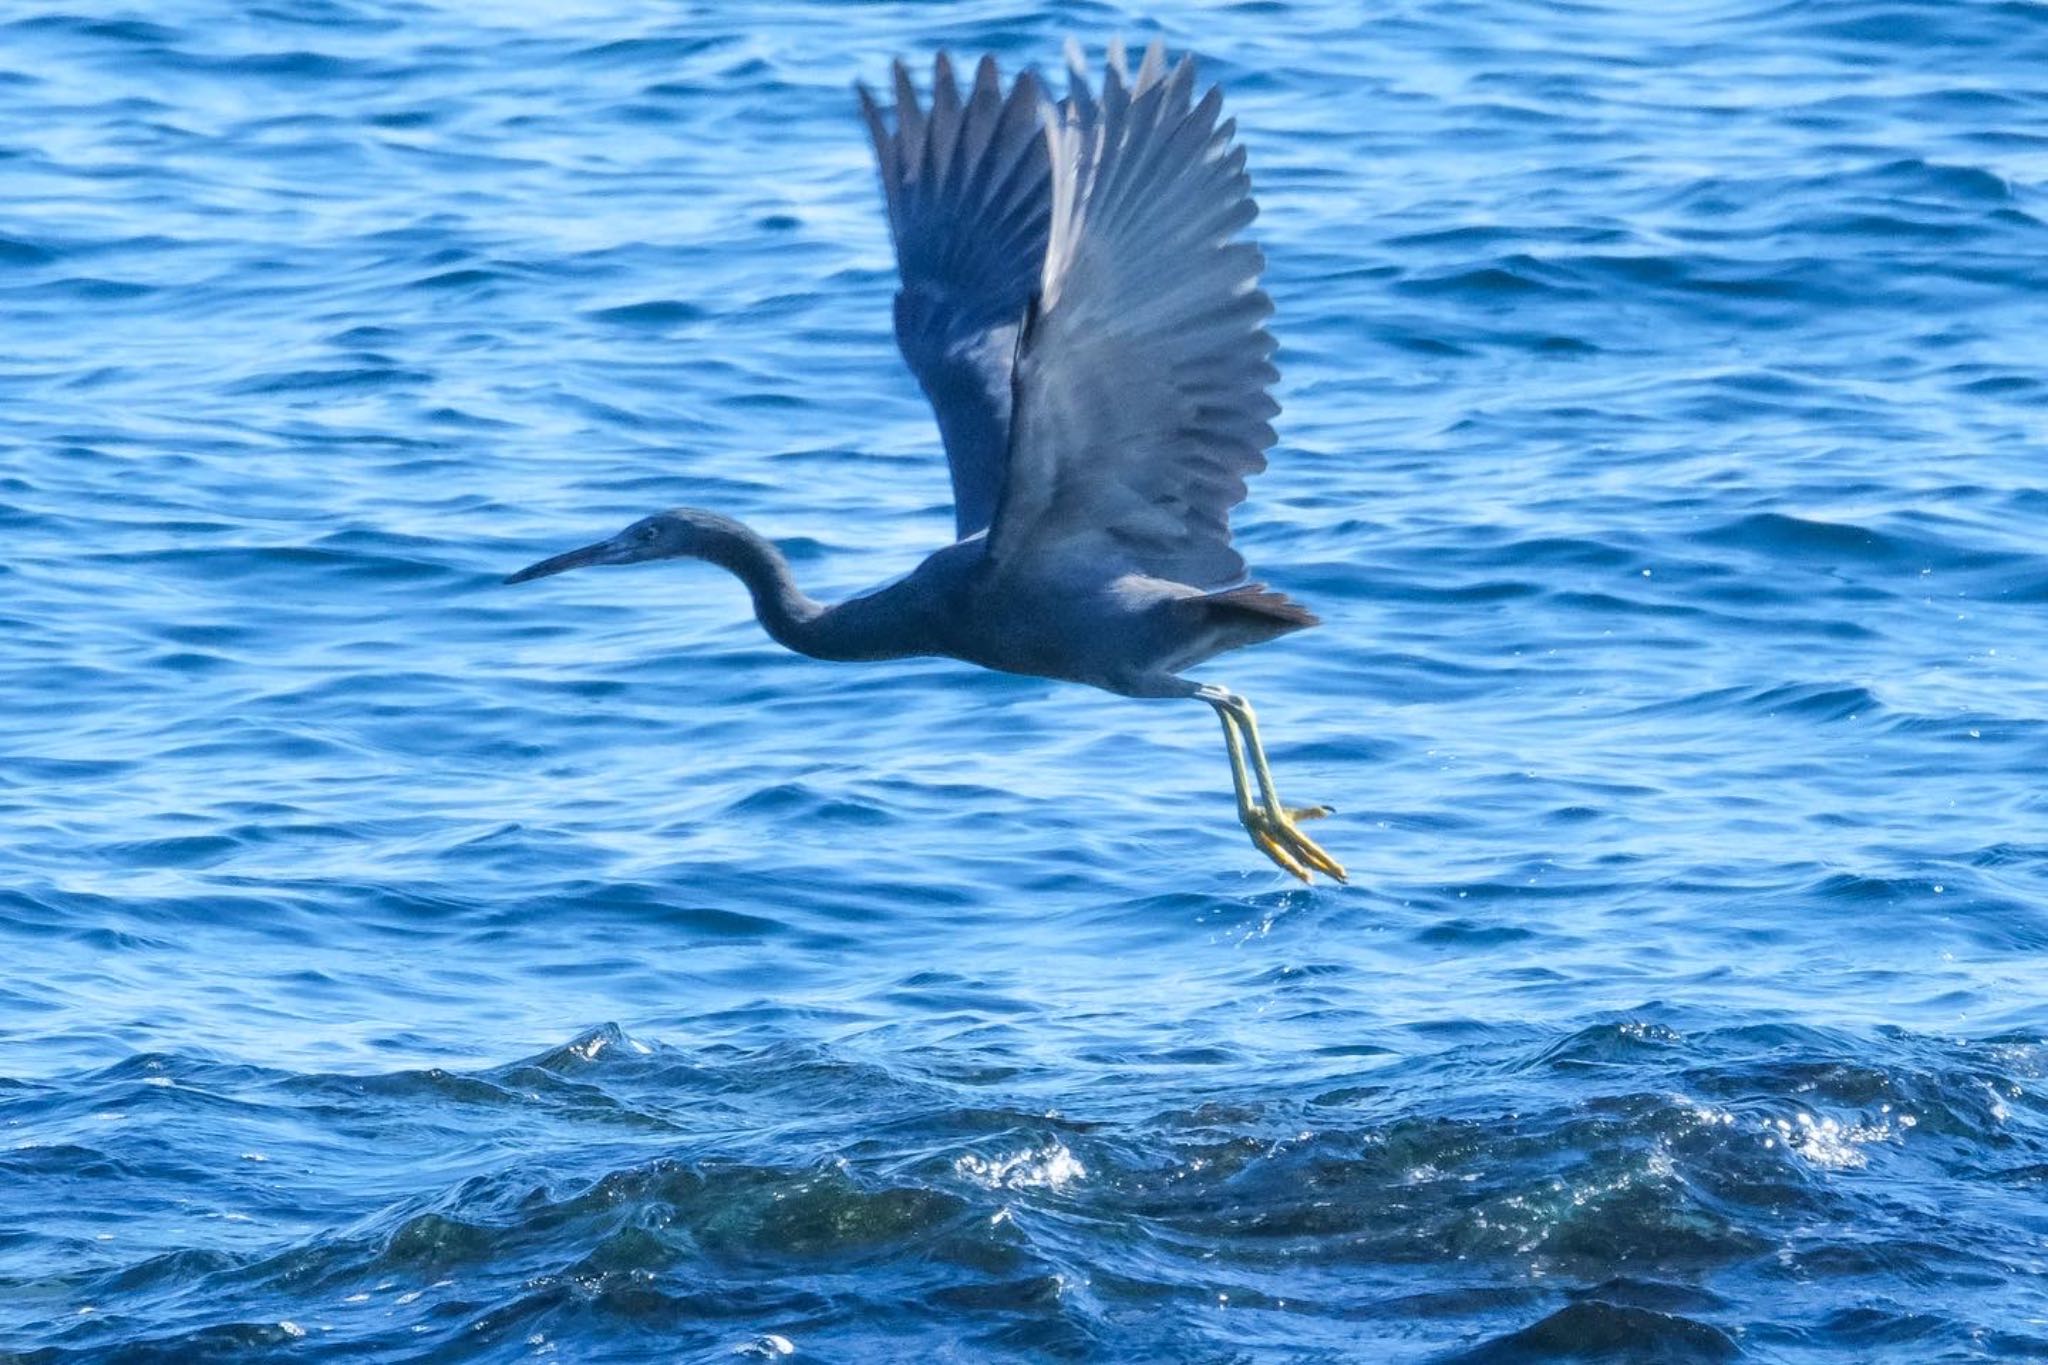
1280,839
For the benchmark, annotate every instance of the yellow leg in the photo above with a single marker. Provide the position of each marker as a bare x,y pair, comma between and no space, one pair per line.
1305,848
1272,826
1267,790
1238,781
1249,815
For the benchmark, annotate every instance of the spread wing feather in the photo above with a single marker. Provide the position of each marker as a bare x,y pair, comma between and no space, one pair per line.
1139,382
967,183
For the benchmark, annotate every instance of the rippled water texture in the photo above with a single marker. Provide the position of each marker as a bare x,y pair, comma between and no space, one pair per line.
403,967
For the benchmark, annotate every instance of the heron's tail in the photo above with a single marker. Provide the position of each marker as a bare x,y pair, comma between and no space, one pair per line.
1256,600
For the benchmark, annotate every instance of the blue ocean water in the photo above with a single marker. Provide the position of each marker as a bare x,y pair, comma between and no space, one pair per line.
404,967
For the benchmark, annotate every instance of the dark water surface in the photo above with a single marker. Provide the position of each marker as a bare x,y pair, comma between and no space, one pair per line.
402,967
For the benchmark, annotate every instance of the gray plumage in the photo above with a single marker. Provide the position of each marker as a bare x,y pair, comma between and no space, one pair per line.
969,197
1076,305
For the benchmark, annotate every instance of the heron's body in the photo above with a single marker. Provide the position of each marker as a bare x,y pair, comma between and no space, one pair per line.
1091,336
1128,634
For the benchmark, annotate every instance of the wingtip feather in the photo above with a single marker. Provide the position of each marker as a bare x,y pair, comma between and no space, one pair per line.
1152,68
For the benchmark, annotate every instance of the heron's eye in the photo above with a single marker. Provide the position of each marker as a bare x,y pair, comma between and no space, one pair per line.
647,533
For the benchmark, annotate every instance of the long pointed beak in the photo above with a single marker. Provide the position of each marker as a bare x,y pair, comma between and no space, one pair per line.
604,552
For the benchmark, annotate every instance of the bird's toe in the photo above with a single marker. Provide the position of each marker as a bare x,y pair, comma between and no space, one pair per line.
1307,850
1273,842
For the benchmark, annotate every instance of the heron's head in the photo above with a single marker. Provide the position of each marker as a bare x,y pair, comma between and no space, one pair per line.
684,532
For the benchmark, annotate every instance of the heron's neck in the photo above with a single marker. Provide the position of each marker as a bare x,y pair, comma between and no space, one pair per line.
889,624
789,614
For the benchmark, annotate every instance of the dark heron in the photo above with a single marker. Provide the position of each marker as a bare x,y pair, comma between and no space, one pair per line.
1090,331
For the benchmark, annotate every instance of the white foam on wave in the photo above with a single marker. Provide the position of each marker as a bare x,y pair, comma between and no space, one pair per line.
1051,1167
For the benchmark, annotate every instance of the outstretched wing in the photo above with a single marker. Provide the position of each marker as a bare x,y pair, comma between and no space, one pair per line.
968,188
1140,380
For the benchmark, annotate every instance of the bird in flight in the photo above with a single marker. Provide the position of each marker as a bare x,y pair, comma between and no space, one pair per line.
1078,307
